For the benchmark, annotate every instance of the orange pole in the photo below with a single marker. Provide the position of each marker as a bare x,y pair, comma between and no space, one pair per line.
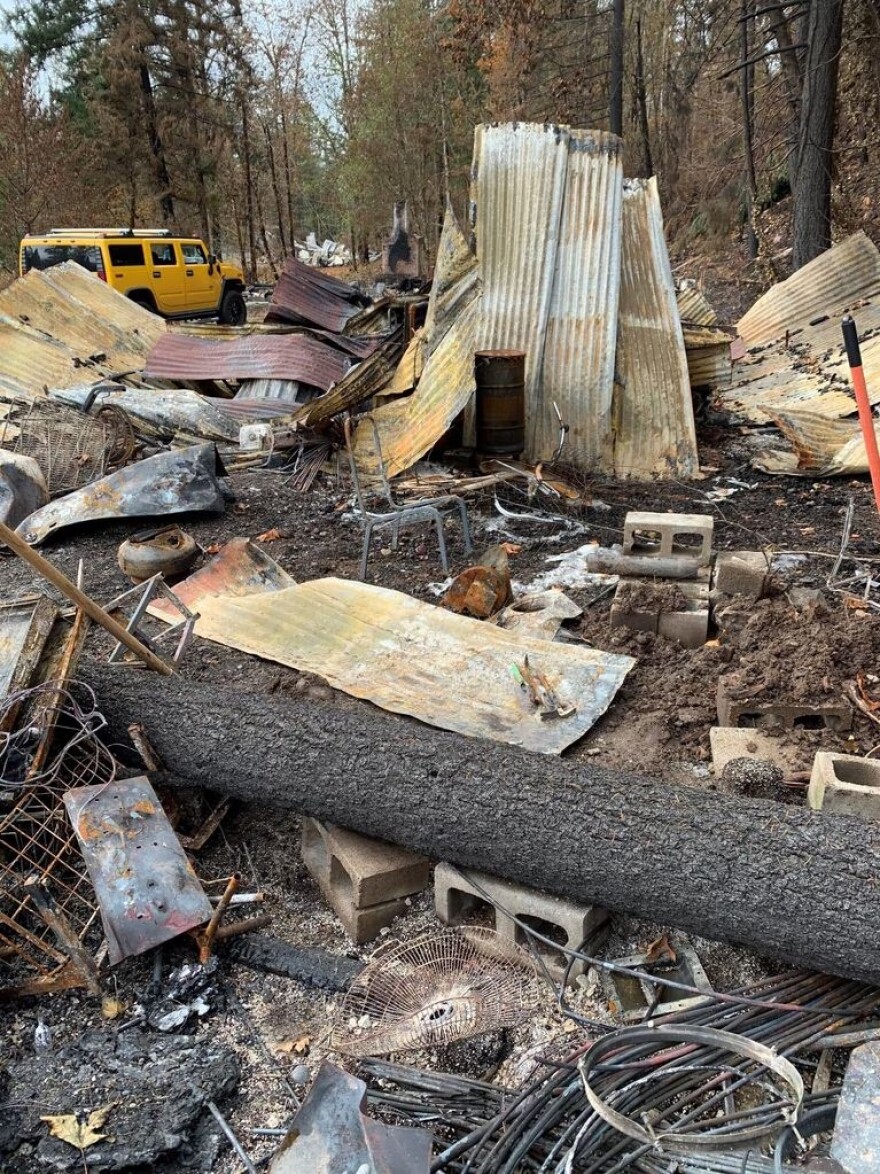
866,416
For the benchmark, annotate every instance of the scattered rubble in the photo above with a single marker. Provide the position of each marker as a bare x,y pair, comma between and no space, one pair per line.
670,711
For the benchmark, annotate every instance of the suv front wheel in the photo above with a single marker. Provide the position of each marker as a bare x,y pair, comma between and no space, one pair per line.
233,311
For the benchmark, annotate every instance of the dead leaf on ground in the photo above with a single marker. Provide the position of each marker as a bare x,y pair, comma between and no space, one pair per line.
269,535
214,548
299,1046
660,950
511,547
80,1134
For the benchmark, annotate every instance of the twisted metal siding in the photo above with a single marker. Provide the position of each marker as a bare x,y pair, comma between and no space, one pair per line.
654,431
829,285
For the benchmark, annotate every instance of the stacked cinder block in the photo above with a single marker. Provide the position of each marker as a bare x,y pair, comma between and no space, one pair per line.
646,533
366,882
570,924
666,535
844,784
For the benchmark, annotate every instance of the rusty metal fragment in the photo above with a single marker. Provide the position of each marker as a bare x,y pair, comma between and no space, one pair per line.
306,296
146,888
240,568
171,483
296,357
330,1133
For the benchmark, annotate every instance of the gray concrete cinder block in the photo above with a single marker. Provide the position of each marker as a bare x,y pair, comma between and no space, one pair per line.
364,881
689,626
844,784
754,712
741,572
646,533
568,923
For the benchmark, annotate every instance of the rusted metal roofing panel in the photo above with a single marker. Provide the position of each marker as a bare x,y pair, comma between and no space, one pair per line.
306,296
57,325
30,362
518,184
411,657
654,431
694,309
83,313
277,356
409,427
360,347
822,447
810,374
834,282
577,374
710,366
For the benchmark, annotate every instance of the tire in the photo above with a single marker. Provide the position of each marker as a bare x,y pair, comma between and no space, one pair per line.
233,311
145,300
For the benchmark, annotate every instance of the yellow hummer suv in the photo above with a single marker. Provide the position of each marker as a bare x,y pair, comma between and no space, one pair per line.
173,276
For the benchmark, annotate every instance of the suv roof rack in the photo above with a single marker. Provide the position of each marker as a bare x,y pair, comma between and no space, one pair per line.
106,232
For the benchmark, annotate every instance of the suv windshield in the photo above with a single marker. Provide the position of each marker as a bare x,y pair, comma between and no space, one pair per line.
45,256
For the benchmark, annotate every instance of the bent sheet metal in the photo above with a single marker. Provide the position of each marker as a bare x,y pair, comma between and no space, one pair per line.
146,888
330,1134
240,568
174,482
410,657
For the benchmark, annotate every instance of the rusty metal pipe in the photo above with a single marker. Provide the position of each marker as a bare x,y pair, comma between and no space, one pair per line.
206,937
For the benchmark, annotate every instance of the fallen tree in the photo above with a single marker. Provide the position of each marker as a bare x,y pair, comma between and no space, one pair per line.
784,881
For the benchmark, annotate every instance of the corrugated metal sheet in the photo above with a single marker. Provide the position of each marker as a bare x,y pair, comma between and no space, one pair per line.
58,324
710,366
306,296
811,374
410,657
822,447
577,373
832,283
279,356
83,313
694,309
409,427
654,431
360,347
30,363
518,185
547,207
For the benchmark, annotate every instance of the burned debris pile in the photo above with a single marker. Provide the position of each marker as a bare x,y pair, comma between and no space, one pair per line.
548,848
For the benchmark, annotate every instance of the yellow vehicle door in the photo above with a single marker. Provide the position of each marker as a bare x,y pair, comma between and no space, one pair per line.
202,286
166,277
128,269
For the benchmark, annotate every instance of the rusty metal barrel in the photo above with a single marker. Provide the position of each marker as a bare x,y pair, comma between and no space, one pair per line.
501,401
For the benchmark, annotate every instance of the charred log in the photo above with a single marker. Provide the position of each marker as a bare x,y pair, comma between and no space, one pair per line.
784,881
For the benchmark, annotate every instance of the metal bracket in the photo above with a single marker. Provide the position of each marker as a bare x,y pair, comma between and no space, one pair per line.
145,593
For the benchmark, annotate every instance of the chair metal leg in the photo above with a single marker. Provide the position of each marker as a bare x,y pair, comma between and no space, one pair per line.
395,532
441,542
465,527
368,535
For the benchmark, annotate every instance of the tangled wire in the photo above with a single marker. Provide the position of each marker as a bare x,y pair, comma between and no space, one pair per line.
32,715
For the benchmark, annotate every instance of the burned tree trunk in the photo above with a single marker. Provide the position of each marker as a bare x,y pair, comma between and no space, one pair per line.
784,881
812,175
